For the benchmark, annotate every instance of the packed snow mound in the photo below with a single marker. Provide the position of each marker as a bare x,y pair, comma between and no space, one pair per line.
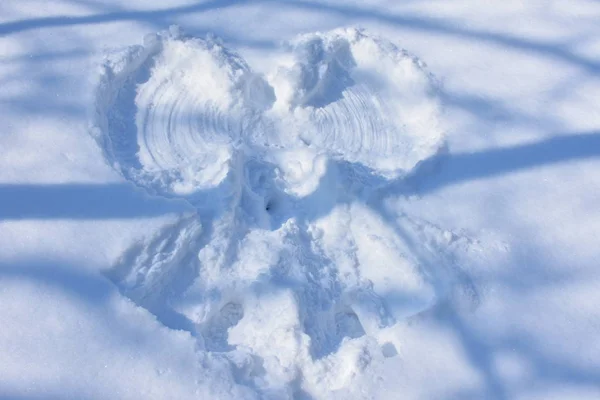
176,114
292,269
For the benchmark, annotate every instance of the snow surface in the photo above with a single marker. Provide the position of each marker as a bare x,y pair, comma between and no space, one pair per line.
243,200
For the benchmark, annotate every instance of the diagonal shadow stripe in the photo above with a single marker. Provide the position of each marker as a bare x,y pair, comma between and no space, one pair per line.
81,201
463,167
118,201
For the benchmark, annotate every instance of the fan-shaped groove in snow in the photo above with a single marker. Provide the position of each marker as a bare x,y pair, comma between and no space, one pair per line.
171,112
363,100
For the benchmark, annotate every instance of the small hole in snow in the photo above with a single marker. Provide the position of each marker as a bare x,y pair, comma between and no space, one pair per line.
269,206
305,141
389,350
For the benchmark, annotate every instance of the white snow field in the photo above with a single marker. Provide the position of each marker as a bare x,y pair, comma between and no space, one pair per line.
275,200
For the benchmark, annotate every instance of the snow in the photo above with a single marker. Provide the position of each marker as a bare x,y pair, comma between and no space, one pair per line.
346,96
253,199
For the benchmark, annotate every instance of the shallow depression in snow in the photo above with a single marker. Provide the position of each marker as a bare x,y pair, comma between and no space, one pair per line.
179,114
292,268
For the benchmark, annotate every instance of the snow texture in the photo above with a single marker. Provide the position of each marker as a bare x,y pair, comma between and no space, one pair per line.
181,114
261,212
284,270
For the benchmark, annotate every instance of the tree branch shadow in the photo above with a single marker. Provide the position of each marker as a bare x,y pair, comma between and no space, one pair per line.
160,17
449,169
113,16
82,201
109,201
